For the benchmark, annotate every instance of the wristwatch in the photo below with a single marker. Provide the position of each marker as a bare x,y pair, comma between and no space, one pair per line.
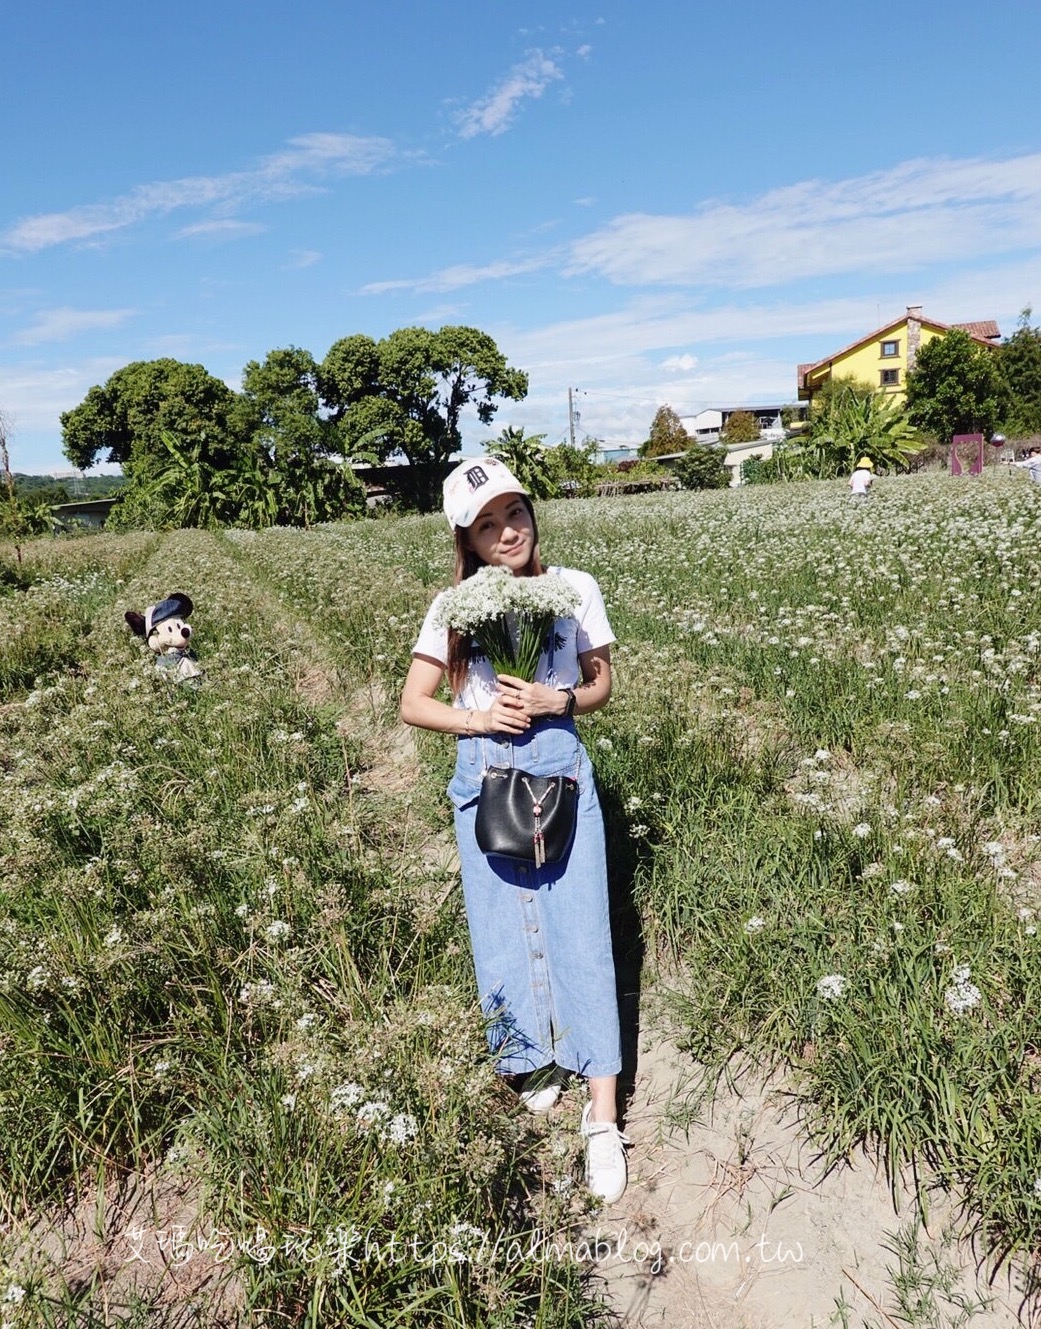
570,710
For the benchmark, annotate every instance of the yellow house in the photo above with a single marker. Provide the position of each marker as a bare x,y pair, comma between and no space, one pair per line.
884,357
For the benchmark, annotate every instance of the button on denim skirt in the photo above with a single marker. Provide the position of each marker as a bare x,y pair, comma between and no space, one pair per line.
541,937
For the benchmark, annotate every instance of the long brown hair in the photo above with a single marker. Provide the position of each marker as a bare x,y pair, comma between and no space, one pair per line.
460,644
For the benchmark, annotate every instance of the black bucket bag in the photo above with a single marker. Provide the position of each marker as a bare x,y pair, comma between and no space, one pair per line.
526,817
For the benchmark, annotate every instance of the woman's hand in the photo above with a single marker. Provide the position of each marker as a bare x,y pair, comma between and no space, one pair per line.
534,700
506,715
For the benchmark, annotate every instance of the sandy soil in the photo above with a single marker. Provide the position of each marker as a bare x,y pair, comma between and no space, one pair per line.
731,1222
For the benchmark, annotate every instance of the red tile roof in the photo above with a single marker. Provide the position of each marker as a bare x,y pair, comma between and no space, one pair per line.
985,328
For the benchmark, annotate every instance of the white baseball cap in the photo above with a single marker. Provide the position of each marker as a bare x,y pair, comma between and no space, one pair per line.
474,483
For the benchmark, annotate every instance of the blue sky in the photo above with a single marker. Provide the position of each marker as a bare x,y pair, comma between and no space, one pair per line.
649,203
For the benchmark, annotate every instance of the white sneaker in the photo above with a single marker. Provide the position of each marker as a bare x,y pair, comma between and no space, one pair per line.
544,1092
606,1170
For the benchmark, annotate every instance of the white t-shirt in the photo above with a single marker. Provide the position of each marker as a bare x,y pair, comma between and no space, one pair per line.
860,481
558,668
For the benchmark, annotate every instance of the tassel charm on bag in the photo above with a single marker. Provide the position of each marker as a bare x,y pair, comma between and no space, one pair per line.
538,840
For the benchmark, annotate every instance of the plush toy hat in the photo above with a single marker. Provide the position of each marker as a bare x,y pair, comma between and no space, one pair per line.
177,605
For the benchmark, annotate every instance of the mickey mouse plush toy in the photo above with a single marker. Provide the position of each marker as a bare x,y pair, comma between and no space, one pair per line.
165,631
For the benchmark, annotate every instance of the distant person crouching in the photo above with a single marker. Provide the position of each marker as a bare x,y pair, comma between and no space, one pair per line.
860,480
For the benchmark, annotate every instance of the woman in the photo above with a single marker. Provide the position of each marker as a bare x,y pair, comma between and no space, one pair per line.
541,936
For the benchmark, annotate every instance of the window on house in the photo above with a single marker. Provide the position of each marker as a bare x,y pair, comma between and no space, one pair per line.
890,378
890,348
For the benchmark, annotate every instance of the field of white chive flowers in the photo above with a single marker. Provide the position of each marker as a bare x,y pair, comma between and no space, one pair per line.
235,966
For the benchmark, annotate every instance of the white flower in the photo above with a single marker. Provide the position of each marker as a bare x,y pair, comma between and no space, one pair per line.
306,1021
493,592
279,930
113,938
862,830
755,924
345,1096
288,1101
962,995
1037,1185
242,911
831,986
605,744
36,978
401,1128
15,1294
372,1112
822,754
900,887
639,831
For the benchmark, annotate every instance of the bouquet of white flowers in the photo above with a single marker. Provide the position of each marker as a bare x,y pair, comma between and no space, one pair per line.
509,617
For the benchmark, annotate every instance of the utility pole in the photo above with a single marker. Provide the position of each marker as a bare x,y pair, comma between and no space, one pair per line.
572,415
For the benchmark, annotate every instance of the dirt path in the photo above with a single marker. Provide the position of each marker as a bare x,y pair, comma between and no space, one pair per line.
742,1229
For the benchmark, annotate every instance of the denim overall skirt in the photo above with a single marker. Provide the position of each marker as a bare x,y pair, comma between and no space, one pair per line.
541,937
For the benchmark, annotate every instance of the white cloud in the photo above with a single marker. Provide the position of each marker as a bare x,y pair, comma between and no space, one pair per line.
462,274
53,325
226,228
913,217
34,397
494,113
905,219
680,363
295,170
304,258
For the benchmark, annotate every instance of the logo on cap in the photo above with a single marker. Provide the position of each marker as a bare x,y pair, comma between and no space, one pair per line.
476,476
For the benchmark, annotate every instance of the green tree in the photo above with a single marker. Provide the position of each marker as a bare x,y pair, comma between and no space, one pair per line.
741,427
527,457
409,391
292,441
128,415
574,468
702,467
1020,362
850,419
956,387
187,491
667,436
